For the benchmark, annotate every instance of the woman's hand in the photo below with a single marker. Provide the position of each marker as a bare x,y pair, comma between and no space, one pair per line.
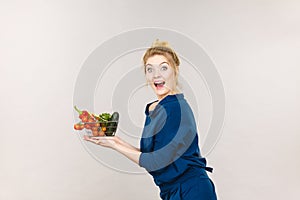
105,141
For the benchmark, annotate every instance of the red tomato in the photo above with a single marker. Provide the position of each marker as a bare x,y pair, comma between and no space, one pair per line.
84,119
87,126
81,126
78,126
95,128
91,120
101,133
95,133
85,113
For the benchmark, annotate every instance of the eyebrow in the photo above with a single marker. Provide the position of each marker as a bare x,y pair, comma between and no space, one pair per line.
159,64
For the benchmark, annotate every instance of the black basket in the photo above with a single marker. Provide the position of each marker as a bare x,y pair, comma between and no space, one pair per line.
109,128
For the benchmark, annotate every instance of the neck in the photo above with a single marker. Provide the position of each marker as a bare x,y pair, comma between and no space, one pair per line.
170,93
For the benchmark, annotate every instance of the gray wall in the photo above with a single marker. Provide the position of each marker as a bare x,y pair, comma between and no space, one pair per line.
43,44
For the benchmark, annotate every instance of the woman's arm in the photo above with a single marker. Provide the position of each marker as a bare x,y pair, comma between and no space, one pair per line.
117,144
129,145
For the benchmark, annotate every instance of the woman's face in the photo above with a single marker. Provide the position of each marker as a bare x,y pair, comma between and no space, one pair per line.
160,75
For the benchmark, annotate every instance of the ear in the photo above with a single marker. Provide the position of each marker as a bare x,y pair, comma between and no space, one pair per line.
176,74
176,71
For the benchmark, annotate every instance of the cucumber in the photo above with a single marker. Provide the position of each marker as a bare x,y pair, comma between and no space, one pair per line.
114,122
115,116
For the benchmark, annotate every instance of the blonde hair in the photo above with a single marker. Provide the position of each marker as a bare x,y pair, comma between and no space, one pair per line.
163,48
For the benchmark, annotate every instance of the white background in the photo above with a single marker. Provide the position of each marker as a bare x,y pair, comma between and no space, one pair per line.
43,44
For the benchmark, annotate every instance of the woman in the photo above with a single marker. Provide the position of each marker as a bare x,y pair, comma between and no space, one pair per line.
169,146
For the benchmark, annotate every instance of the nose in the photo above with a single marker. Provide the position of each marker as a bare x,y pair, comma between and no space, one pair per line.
157,73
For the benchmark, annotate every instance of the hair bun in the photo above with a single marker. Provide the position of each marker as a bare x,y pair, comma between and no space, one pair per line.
159,43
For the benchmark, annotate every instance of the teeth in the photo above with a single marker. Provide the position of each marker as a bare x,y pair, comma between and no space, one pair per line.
159,83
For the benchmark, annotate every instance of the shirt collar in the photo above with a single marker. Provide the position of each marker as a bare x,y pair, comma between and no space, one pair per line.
165,100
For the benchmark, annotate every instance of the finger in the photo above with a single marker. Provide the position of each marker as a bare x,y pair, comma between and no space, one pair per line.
103,138
87,138
97,137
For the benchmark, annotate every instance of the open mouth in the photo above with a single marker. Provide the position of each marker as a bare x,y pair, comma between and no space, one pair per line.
159,84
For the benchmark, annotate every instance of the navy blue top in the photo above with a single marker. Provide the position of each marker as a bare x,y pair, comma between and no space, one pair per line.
169,142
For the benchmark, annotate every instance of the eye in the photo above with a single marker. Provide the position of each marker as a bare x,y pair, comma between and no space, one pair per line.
164,67
149,69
